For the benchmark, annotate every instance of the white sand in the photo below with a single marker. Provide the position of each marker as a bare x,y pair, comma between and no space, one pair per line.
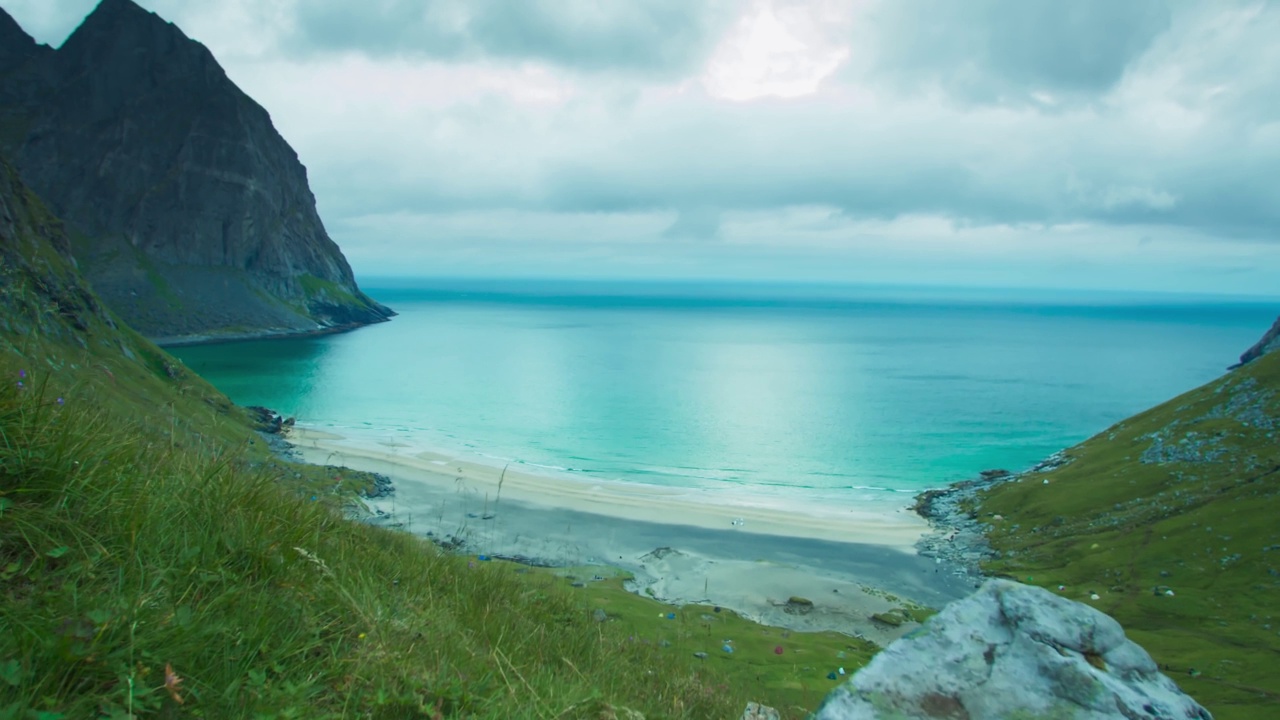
631,501
850,563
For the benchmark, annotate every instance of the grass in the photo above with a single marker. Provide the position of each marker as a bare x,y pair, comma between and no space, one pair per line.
1183,498
125,558
157,561
326,291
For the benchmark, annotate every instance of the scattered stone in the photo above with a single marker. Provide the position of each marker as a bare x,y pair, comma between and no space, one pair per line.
700,655
578,584
1011,650
893,618
796,605
660,553
266,419
756,711
599,615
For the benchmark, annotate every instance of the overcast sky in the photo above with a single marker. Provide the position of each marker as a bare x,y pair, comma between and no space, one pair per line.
1070,144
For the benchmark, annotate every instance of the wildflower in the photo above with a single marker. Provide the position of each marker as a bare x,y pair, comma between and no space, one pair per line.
171,683
22,374
20,385
59,401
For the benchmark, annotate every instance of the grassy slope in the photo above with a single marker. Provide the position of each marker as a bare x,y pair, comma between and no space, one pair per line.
1184,497
143,524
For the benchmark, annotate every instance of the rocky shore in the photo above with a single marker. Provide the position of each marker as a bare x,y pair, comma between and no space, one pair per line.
959,538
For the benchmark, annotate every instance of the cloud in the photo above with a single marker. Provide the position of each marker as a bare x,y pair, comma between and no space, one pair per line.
990,51
702,223
841,134
658,36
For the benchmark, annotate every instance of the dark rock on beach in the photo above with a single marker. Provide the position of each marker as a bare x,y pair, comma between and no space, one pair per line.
189,214
266,419
958,542
382,487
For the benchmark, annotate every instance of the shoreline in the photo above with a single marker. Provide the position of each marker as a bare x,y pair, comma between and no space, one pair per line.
959,539
710,509
678,547
266,334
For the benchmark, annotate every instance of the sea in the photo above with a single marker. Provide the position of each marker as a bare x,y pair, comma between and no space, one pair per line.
859,396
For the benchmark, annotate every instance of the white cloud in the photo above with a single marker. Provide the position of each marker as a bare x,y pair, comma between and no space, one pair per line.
786,138
774,52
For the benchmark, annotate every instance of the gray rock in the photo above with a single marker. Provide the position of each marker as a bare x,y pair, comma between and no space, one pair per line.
1011,650
599,615
196,215
756,711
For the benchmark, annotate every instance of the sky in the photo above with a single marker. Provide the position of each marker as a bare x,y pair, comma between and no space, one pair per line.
1089,144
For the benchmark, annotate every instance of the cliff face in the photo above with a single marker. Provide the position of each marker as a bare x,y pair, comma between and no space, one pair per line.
1270,341
41,294
189,213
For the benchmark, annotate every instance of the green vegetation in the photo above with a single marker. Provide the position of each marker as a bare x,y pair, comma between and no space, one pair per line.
1170,517
156,560
791,681
127,551
320,290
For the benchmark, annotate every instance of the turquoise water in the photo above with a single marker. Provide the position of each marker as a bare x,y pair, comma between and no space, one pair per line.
844,394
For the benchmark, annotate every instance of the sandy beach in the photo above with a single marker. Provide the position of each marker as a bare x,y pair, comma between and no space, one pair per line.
681,545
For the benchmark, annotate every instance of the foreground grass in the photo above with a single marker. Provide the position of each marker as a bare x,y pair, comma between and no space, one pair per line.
1170,518
148,575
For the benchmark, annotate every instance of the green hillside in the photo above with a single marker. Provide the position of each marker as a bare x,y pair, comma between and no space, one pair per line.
156,560
1172,518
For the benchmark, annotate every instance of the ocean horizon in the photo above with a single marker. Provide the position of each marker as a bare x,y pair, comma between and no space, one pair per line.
769,393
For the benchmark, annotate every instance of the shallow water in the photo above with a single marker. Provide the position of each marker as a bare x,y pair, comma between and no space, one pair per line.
848,395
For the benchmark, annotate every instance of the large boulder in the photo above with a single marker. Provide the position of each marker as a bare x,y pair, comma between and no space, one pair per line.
1011,650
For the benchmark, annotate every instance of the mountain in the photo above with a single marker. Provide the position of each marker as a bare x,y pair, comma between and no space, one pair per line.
1270,341
187,211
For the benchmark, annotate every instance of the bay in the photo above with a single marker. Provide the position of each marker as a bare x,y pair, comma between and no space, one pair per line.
837,394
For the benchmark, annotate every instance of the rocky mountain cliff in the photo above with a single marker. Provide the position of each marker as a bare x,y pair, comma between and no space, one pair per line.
187,211
1270,341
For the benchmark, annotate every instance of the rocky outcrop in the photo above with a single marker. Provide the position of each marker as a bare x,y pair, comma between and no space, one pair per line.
1270,341
1009,651
41,295
191,215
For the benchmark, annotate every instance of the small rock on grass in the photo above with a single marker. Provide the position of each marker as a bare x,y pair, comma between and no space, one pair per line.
599,615
756,711
700,655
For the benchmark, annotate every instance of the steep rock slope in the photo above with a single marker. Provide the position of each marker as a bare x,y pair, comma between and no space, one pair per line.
1270,341
190,214
1167,522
